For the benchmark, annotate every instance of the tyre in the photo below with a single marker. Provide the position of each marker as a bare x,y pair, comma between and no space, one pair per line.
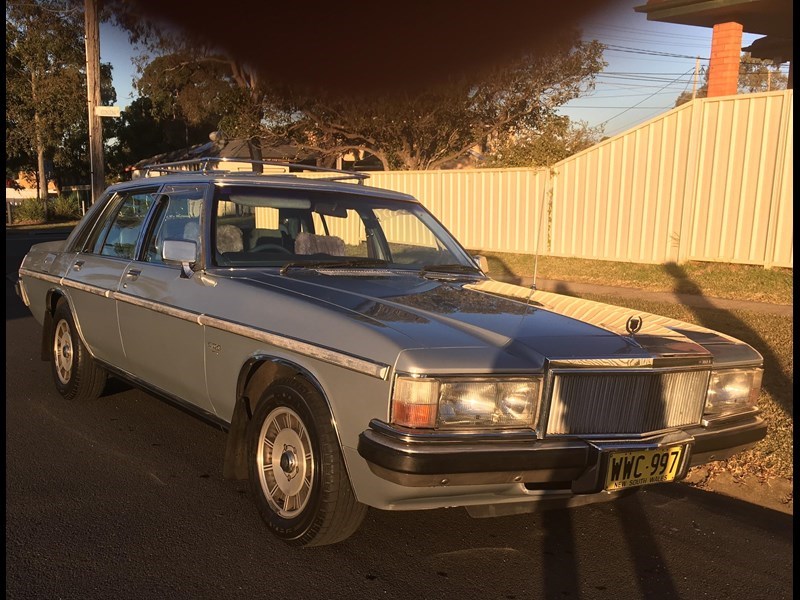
77,376
296,472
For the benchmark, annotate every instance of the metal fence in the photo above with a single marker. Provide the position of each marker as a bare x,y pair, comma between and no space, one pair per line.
711,180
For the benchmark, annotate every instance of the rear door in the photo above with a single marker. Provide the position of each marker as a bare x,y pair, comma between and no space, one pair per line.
98,268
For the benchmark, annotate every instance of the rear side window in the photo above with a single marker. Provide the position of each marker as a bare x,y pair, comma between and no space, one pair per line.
120,232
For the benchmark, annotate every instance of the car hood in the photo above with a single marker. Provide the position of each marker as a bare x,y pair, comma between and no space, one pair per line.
472,320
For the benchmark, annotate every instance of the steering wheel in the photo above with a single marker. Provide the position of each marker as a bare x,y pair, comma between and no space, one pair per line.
270,247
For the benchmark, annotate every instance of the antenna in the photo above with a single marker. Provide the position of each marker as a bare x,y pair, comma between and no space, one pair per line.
539,231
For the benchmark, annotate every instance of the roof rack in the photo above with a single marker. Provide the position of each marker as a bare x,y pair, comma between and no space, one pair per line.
202,165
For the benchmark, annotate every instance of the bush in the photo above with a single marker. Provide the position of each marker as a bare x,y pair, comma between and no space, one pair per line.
31,210
65,208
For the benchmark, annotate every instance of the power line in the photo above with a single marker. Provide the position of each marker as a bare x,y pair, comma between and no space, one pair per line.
634,50
645,100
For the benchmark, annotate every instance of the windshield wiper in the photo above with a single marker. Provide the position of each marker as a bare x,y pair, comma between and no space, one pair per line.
449,269
354,263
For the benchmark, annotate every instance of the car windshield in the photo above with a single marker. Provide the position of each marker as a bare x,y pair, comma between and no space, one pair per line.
254,226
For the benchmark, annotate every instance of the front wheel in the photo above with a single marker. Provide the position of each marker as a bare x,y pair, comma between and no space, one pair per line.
296,472
75,373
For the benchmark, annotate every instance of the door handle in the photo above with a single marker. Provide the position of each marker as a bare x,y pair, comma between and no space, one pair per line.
77,266
133,274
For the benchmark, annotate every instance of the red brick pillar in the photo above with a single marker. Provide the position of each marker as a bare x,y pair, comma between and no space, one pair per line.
726,48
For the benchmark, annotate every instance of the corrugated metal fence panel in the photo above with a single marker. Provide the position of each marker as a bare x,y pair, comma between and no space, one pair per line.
711,180
622,199
486,209
782,252
743,143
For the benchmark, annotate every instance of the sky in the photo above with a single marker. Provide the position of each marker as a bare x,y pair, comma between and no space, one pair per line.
649,65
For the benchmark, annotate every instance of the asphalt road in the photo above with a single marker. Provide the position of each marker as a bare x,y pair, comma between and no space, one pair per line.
123,497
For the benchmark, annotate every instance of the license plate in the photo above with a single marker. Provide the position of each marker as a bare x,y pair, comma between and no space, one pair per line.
630,469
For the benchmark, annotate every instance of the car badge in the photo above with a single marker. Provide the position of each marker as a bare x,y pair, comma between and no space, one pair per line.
634,325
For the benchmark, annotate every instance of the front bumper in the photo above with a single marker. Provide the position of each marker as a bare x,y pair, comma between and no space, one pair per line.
568,465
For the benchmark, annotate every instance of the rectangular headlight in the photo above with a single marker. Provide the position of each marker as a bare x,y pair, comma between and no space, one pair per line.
733,390
485,402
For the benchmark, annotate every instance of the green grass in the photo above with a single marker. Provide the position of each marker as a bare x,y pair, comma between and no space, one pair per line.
719,280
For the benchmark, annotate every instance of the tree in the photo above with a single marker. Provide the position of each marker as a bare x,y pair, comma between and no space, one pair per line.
189,79
143,131
755,75
428,130
46,117
200,86
557,140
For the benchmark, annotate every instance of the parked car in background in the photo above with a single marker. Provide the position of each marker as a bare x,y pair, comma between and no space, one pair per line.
359,356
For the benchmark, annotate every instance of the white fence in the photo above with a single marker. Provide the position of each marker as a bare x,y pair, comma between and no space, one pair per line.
711,180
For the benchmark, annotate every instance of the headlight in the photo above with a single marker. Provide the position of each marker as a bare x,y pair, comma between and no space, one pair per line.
465,403
733,390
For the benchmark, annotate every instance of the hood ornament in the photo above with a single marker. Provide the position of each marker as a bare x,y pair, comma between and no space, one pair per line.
634,325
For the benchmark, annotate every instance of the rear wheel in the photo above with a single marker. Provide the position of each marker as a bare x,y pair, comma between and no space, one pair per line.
296,471
76,375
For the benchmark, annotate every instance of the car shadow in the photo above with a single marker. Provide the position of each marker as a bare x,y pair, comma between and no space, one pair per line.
775,381
610,550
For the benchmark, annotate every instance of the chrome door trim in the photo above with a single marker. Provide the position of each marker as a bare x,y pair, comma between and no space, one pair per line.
323,353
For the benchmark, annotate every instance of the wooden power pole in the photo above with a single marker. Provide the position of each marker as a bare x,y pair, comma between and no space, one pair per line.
96,160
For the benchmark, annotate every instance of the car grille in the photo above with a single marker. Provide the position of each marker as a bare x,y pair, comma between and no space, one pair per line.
625,403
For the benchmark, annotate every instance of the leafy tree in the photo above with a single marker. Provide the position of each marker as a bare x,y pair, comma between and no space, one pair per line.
557,140
191,80
755,75
143,131
428,130
46,114
188,80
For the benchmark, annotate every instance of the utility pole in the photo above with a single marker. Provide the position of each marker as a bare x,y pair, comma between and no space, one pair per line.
696,73
92,37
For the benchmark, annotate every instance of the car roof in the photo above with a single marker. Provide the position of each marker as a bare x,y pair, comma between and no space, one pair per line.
312,178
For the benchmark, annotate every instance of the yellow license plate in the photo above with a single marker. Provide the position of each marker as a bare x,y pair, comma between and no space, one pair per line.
629,469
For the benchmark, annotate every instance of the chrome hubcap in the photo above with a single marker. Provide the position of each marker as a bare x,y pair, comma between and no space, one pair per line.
285,462
62,352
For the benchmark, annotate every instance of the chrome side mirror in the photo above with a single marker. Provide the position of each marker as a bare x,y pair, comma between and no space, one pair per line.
180,252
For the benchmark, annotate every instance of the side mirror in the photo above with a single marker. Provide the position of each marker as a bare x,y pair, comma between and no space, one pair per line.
482,263
180,252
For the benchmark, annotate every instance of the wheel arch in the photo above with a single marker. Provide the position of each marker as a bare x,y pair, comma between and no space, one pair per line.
255,376
51,302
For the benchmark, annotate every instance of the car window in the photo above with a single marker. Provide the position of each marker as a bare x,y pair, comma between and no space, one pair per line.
178,218
410,240
258,226
120,240
118,227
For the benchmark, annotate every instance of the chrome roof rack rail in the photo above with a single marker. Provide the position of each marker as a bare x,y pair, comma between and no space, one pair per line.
204,165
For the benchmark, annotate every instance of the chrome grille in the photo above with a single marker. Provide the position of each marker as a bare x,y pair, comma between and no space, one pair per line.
625,403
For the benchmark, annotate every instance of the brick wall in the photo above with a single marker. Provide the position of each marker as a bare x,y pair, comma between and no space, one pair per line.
726,47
